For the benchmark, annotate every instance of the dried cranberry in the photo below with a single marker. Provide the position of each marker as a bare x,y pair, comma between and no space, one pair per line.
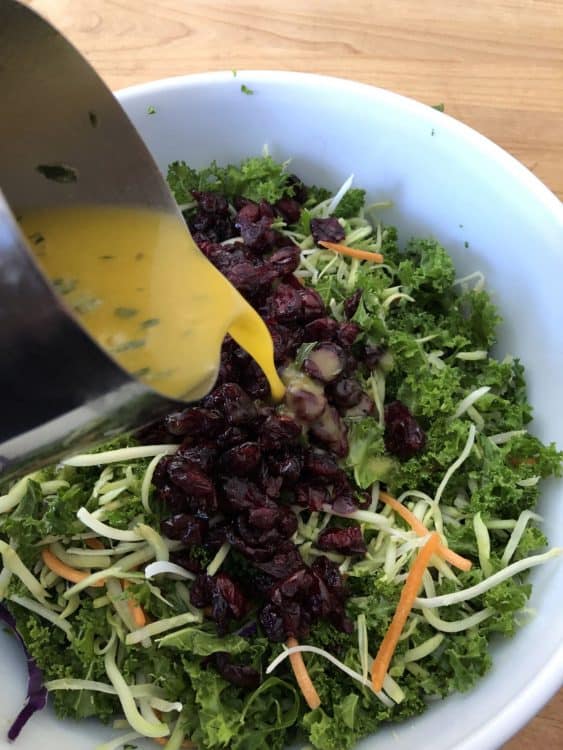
203,455
271,485
264,518
154,433
325,362
344,504
297,189
312,496
254,381
285,260
212,250
306,400
229,370
250,278
312,304
286,463
175,500
227,590
287,524
345,393
372,355
195,421
202,591
283,340
188,528
242,459
404,437
330,430
232,436
352,303
184,559
321,329
290,210
234,404
241,494
283,561
248,213
347,333
278,430
212,203
213,227
286,304
160,473
327,230
272,623
240,675
266,209
321,465
348,541
257,235
189,477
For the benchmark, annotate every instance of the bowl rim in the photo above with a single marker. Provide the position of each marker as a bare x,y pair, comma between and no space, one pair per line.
547,681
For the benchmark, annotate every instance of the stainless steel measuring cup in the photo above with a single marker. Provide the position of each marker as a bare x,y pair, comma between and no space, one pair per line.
64,141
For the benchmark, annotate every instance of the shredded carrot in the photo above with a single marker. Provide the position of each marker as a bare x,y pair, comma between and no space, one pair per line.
452,557
353,252
135,610
408,595
65,571
94,543
302,676
186,744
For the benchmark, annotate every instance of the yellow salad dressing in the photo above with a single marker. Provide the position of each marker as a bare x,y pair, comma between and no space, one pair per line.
140,286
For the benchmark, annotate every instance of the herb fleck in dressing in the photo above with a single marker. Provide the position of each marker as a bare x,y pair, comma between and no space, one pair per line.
146,289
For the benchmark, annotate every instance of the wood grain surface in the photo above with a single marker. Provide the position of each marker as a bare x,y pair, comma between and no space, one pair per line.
497,65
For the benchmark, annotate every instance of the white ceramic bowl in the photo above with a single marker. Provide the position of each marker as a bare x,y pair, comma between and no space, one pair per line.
448,181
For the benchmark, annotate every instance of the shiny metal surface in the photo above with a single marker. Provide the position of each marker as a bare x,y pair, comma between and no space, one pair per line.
58,390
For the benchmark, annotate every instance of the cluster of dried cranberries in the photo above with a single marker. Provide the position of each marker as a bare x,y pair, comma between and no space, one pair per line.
242,463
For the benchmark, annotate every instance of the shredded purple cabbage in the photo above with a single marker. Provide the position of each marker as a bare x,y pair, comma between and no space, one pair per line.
36,692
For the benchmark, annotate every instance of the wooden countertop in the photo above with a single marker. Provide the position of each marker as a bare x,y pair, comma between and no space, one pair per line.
497,66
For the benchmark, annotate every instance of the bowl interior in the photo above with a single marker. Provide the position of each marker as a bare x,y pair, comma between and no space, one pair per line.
493,215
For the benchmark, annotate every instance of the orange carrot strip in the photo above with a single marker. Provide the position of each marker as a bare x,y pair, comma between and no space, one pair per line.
452,557
94,543
186,744
302,676
65,571
406,600
135,610
353,252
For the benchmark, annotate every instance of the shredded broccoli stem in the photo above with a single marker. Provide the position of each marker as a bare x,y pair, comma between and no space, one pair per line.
445,600
13,563
16,494
219,559
147,480
160,626
483,544
123,690
47,614
516,536
119,455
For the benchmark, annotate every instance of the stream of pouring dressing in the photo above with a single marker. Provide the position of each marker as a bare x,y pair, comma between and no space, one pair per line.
140,286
